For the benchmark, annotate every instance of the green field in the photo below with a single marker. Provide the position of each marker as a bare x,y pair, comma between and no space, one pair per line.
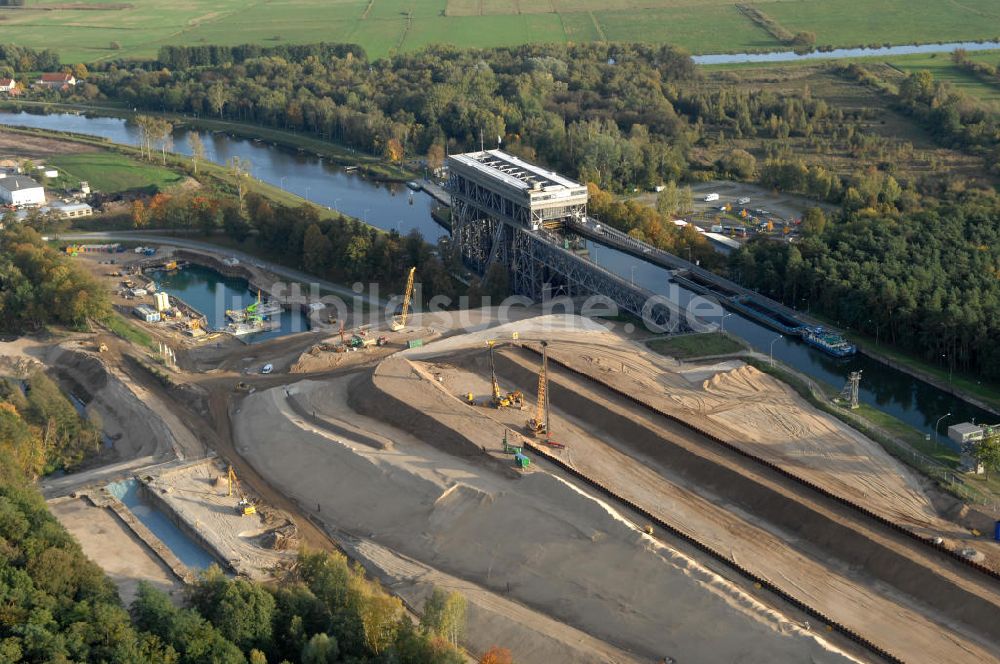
110,172
697,345
140,27
945,70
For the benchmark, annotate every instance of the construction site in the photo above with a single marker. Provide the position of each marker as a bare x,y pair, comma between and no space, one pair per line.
593,500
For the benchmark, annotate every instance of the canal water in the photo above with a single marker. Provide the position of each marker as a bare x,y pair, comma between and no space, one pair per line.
841,53
386,205
213,293
909,399
186,549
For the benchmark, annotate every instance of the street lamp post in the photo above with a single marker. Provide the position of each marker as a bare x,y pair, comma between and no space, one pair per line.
722,321
937,424
283,177
771,351
632,278
365,214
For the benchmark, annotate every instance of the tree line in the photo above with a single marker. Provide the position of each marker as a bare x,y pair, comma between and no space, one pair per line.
925,281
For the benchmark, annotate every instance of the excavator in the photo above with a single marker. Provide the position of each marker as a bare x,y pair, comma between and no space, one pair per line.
500,400
399,322
539,424
244,507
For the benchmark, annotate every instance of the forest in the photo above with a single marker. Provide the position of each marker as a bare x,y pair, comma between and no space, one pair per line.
39,286
633,116
924,281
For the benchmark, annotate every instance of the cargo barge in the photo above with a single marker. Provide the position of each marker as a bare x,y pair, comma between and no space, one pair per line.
756,308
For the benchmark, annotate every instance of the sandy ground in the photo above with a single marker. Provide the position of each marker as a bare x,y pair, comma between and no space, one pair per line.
800,562
734,402
110,543
198,493
534,538
20,146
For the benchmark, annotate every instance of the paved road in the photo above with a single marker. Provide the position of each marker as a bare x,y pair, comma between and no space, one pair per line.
152,237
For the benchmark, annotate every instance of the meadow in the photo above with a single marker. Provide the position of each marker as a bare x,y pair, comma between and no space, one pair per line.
110,29
111,172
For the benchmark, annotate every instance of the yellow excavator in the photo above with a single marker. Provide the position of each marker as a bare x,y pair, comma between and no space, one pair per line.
244,507
399,322
499,399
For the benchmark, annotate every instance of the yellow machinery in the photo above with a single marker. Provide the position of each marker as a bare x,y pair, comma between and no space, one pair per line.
244,507
500,400
399,322
539,424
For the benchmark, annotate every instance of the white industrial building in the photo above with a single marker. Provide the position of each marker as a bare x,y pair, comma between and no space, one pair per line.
20,190
965,432
69,210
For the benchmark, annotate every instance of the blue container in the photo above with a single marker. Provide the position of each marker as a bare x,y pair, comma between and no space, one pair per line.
996,531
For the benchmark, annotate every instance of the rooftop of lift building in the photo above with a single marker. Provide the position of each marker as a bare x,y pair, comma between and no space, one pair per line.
517,173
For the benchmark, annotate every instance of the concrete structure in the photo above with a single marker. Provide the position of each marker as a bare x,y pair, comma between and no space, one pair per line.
506,211
146,313
161,300
964,433
20,190
69,210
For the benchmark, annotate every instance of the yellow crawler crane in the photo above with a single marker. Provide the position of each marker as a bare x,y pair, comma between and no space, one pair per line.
244,507
399,322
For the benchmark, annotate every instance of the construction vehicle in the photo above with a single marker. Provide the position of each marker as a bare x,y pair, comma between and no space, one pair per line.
382,340
358,341
399,322
244,507
508,448
539,424
499,399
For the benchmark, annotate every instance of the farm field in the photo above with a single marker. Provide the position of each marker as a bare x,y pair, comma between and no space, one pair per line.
945,70
96,30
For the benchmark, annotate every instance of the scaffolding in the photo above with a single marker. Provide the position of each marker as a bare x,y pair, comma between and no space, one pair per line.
849,395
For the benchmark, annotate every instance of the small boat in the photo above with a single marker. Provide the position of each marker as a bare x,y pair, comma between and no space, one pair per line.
414,185
830,343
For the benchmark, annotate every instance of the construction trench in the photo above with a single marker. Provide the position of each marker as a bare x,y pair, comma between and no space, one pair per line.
956,592
698,511
781,541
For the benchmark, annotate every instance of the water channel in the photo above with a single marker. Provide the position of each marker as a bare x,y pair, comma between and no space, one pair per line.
841,53
175,539
212,294
909,399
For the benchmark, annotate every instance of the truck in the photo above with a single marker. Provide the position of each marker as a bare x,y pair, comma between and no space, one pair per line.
711,197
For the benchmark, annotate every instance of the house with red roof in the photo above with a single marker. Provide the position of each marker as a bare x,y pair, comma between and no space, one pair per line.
58,80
